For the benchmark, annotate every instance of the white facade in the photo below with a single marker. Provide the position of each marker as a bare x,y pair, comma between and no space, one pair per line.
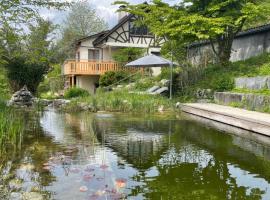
100,47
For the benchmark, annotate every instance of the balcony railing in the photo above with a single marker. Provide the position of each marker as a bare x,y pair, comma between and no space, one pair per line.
86,67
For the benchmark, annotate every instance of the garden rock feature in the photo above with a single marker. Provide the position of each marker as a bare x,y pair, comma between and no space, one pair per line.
204,94
165,82
22,98
58,103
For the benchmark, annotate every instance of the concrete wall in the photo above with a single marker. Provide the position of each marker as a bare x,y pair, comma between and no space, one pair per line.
87,83
243,48
253,83
247,101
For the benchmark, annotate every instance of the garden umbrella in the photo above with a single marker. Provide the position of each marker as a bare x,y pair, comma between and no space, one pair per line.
150,61
153,61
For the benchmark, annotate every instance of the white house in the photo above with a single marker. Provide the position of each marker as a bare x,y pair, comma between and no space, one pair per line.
94,53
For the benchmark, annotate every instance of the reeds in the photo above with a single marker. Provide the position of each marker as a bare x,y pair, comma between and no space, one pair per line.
11,126
123,101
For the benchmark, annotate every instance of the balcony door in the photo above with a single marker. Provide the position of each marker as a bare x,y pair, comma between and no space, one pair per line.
93,54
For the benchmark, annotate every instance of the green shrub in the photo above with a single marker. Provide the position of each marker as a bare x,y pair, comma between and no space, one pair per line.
127,54
112,77
76,92
144,84
223,83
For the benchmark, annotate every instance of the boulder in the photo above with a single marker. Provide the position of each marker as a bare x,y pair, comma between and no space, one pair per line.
165,82
60,102
204,94
22,98
152,89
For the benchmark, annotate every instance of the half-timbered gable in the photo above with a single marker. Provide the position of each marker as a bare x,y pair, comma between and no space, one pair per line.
127,34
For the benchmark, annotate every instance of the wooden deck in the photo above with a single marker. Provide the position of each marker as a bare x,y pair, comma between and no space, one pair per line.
249,120
85,67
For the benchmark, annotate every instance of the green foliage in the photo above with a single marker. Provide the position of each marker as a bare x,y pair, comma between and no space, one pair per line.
112,77
53,83
23,10
144,84
21,72
28,57
215,20
221,79
223,83
265,91
128,54
11,126
4,86
82,20
123,101
76,92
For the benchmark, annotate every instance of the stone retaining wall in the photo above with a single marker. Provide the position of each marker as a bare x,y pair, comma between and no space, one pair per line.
253,83
248,101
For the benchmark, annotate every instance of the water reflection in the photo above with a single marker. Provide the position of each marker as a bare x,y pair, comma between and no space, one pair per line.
116,156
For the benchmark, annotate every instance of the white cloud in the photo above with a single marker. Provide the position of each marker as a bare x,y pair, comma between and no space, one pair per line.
104,9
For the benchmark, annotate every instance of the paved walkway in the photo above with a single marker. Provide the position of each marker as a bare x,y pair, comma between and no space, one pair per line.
249,120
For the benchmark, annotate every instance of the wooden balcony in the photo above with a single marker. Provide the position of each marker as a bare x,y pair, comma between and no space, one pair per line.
86,67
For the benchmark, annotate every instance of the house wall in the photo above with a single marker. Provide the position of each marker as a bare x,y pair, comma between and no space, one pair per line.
83,49
244,47
87,83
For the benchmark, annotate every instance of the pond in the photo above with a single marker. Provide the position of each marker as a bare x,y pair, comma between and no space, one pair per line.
121,156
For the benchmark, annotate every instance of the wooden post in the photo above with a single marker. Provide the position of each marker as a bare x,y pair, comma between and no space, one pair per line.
72,81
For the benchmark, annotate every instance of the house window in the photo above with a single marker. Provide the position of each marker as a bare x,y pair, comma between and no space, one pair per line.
93,54
134,29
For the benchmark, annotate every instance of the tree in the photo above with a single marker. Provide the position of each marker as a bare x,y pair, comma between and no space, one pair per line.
128,54
18,11
217,21
15,14
28,59
81,21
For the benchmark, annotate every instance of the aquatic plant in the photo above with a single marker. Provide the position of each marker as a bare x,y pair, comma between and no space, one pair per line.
11,126
122,101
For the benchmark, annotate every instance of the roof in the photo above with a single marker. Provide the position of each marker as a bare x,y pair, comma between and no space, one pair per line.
251,31
98,35
121,22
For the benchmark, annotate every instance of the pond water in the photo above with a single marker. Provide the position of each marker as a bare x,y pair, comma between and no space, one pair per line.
120,156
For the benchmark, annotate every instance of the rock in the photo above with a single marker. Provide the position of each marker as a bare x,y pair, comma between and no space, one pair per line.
165,82
22,98
32,196
204,94
15,196
44,102
161,108
153,89
178,105
60,102
15,184
161,91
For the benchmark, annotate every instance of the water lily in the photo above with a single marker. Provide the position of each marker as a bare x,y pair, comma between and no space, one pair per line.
74,170
83,189
104,166
120,183
87,177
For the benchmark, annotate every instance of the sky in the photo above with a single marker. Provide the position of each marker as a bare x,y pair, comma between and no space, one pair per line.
104,9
